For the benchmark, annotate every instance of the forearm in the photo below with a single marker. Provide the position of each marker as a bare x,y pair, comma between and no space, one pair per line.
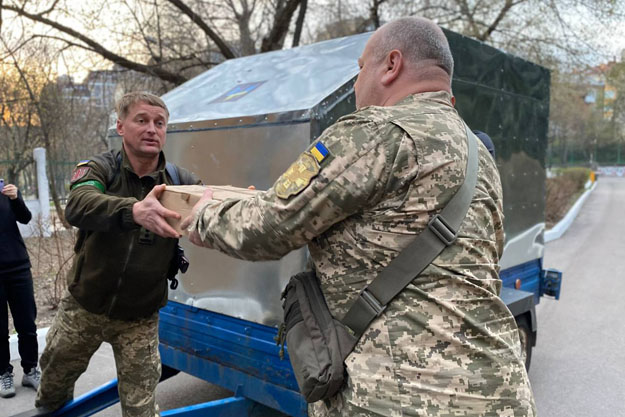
89,209
248,229
22,214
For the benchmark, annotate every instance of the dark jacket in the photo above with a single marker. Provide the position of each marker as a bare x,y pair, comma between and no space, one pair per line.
120,269
13,254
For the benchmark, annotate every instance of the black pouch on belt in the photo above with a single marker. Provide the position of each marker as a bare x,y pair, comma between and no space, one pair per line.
317,343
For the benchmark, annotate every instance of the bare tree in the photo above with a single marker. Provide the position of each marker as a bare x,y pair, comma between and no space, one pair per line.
45,132
172,40
551,32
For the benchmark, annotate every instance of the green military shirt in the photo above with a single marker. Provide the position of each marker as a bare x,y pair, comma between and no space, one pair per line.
120,268
447,345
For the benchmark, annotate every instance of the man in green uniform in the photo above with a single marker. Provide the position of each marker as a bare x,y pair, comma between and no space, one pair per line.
446,345
124,251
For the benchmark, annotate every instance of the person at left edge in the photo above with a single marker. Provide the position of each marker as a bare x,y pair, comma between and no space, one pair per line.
124,249
16,291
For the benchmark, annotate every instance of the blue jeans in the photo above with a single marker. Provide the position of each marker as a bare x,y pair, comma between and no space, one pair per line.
16,292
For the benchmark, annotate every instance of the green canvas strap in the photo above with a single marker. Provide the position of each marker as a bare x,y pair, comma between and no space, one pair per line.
441,232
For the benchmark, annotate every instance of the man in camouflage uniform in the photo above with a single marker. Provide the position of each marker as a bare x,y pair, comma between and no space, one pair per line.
124,251
446,345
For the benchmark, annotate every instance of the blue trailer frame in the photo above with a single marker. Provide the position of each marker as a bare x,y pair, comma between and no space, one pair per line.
243,357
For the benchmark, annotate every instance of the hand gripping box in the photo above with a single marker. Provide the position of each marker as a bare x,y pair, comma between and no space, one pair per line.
182,198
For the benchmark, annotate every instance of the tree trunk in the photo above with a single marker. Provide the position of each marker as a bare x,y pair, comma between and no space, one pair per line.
275,39
300,22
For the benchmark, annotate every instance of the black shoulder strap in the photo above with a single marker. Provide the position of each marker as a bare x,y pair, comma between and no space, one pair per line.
172,170
441,232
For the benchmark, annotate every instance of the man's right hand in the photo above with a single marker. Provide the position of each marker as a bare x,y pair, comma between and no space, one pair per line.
150,214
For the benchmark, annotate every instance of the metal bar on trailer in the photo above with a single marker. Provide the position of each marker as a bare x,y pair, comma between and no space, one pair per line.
227,407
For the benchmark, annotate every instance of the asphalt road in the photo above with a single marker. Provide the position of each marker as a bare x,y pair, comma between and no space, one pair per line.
578,364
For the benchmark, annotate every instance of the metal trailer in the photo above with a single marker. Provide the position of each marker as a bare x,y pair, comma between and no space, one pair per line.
243,122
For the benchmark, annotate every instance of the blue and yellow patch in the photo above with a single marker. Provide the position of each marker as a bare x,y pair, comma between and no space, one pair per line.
83,162
320,152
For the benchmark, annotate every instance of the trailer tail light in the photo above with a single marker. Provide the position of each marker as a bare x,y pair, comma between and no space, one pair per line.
517,284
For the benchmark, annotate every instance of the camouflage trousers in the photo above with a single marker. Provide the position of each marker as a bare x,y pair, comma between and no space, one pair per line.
74,337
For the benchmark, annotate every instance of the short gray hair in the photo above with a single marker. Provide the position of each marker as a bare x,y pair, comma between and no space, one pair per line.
123,104
418,39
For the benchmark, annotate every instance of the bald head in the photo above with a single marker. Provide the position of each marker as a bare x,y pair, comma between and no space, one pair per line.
420,40
404,57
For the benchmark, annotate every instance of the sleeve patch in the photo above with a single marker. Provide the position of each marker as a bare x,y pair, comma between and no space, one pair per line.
79,172
297,177
83,162
319,151
92,183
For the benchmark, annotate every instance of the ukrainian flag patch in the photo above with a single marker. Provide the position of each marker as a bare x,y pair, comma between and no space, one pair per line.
83,162
319,151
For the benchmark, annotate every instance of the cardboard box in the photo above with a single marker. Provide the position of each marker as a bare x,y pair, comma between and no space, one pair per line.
182,198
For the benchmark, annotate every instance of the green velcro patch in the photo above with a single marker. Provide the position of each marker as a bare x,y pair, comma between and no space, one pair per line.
93,183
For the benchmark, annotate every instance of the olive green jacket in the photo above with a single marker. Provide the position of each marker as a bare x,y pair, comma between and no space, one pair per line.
120,269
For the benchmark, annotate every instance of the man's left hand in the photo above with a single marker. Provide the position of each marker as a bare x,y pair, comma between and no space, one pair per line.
194,236
10,191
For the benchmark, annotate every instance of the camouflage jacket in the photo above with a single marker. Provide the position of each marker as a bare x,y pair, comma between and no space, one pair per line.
447,345
119,268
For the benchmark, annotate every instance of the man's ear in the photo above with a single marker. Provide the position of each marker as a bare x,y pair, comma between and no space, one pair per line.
119,127
394,63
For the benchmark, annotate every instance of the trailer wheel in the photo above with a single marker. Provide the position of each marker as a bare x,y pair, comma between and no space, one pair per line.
526,336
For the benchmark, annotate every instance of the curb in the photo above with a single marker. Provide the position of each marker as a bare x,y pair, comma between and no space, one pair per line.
41,341
563,225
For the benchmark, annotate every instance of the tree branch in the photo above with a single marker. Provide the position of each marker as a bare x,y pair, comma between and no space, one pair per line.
195,18
101,50
374,12
299,23
502,13
275,39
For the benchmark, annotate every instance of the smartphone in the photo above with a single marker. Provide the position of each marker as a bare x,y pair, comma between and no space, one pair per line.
1,184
